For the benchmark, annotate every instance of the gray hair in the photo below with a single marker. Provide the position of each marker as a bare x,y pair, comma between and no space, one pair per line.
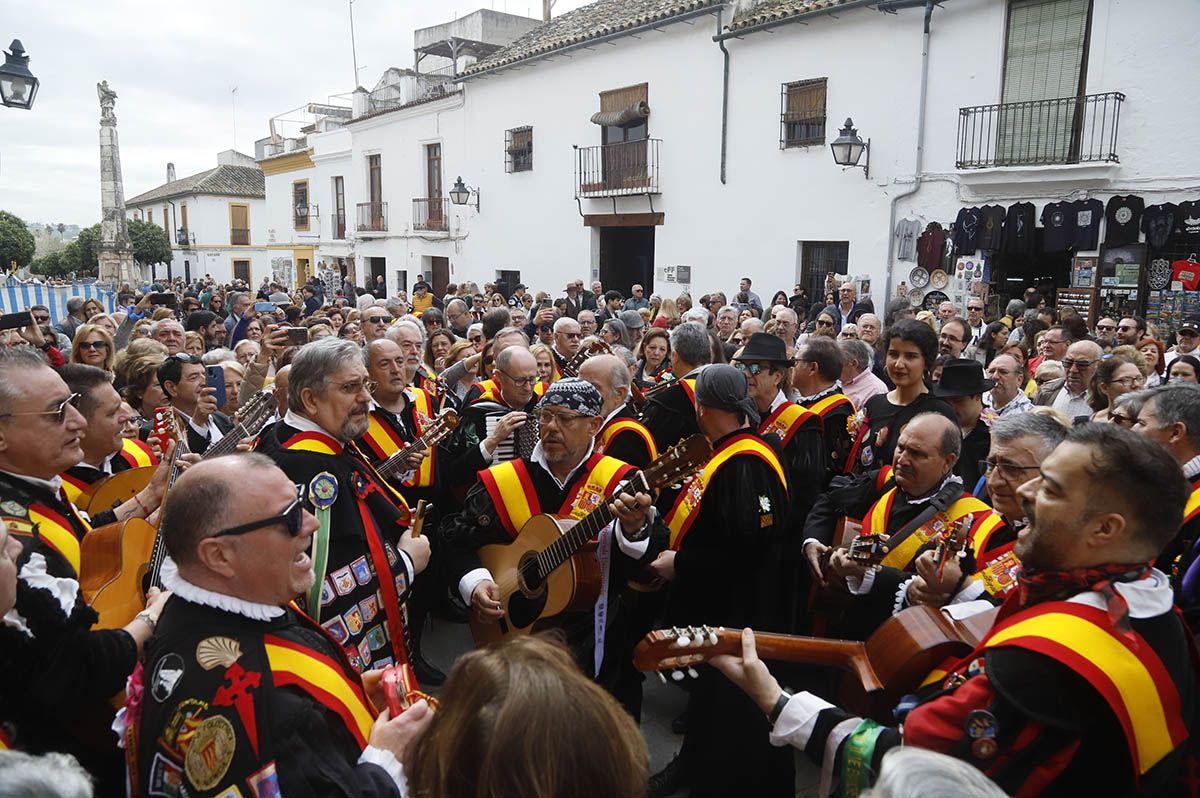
504,332
313,365
728,310
12,359
394,302
563,321
788,311
411,323
23,775
215,357
475,326
621,375
1178,404
751,326
690,342
1029,425
858,351
911,772
1014,309
246,342
699,315
155,325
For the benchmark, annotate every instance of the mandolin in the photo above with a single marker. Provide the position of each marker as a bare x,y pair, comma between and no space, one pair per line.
435,431
894,661
551,567
570,368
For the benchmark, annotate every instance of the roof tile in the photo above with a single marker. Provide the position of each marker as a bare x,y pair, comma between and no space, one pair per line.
224,180
774,10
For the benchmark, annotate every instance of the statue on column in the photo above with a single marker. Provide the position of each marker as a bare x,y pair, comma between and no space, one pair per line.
115,249
108,98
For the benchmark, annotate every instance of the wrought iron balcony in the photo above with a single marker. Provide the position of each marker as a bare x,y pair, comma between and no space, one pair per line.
626,168
1067,130
372,217
239,236
429,213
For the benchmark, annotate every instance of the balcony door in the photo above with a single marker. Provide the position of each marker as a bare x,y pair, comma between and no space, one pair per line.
433,186
1045,73
375,189
624,151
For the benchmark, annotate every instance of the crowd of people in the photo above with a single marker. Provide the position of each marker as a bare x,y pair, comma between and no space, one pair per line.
323,470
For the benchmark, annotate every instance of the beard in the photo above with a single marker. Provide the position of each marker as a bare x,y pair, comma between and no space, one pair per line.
354,426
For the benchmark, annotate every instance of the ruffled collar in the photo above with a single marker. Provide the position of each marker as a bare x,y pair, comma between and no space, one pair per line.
173,581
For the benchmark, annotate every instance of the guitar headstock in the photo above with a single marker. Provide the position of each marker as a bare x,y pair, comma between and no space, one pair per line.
253,415
678,649
867,550
448,418
165,426
598,347
679,462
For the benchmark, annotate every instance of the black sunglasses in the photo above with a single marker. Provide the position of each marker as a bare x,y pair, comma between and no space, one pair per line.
292,516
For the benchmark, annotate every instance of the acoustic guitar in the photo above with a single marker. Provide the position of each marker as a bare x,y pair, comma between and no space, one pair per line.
893,662
551,567
435,431
120,562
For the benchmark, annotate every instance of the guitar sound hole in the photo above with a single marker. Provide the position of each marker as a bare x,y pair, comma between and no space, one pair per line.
530,579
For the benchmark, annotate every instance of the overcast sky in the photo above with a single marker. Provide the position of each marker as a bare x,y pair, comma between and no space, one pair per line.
173,65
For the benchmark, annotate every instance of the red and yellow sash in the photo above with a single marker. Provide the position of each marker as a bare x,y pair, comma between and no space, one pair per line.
51,527
324,680
490,391
385,441
785,420
620,425
76,488
876,520
1192,508
516,501
689,387
997,567
831,402
1124,670
320,443
683,513
136,453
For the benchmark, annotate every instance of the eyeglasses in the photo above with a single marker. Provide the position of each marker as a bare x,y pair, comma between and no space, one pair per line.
184,357
1121,420
1130,382
59,413
41,319
530,380
1005,470
851,335
821,323
292,516
354,387
1082,365
93,344
1125,328
951,338
975,307
1105,328
753,369
547,417
572,335
377,319
474,338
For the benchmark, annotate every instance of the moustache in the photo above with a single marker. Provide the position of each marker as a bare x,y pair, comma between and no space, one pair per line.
1027,508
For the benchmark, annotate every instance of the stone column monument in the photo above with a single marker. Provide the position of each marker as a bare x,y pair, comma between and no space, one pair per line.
115,251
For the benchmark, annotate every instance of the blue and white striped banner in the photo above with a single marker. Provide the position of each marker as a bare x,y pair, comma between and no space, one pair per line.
16,296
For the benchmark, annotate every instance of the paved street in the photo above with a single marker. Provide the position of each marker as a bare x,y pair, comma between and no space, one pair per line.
445,641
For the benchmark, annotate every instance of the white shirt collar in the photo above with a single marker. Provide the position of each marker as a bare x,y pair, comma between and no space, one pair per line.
299,422
539,457
776,402
949,478
1146,598
54,484
610,416
1192,467
173,581
837,386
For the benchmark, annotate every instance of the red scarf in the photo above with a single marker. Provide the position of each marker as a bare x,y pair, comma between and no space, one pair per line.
1035,587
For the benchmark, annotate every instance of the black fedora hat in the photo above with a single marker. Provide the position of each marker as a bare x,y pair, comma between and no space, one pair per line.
962,377
764,347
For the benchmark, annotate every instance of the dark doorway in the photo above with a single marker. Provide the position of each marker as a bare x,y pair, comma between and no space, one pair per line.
378,269
440,269
626,258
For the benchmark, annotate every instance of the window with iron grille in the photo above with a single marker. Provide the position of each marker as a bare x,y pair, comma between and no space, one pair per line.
819,259
802,114
518,149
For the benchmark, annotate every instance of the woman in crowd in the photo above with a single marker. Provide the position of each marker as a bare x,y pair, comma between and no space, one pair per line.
1114,376
1185,368
460,351
653,358
193,343
614,332
668,315
93,346
234,374
436,347
106,321
910,352
780,298
246,350
519,720
351,332
545,362
1048,371
1152,350
254,330
498,301
142,389
995,337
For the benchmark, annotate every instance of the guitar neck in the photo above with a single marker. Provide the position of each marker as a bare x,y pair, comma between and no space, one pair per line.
158,552
584,530
810,650
397,463
228,442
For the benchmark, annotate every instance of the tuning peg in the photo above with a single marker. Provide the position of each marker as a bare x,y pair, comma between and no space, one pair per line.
692,672
712,637
661,678
677,675
682,640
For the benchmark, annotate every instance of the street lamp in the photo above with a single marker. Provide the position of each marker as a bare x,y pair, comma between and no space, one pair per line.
18,86
848,148
460,194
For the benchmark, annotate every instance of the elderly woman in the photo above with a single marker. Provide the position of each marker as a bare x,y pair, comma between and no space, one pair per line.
1153,352
234,374
193,343
93,346
106,321
246,350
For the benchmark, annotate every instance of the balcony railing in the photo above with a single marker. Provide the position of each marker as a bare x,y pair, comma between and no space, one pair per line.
612,170
239,236
372,217
1039,132
339,225
429,213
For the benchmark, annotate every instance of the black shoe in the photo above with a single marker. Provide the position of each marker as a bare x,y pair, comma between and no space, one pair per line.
427,673
679,724
667,781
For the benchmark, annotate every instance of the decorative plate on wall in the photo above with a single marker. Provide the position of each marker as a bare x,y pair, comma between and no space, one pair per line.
914,297
933,299
939,279
918,277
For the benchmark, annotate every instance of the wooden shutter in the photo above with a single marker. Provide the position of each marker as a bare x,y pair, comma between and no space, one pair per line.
1044,55
619,99
805,101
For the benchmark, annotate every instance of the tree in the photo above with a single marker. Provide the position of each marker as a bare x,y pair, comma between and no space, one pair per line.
80,254
61,229
150,243
16,242
50,265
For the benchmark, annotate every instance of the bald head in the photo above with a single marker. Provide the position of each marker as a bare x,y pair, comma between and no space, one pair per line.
280,387
610,375
201,502
1081,362
927,449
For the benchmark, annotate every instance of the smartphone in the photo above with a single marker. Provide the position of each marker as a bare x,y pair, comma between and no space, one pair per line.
167,299
16,321
546,303
264,307
297,336
216,379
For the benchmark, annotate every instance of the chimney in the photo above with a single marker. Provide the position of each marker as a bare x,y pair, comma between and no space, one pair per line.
170,173
360,102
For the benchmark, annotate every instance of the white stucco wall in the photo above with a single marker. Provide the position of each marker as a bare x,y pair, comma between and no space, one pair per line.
208,221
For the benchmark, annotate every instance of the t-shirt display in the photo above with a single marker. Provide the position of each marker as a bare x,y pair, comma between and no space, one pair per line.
1087,224
1157,223
991,232
930,245
1018,229
1058,219
1186,272
907,231
966,230
1123,219
1188,223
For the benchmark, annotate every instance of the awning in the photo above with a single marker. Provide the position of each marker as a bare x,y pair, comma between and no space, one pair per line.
628,116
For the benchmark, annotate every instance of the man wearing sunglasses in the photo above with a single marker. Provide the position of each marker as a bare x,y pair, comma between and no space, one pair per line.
366,561
567,335
375,321
272,705
1069,393
59,674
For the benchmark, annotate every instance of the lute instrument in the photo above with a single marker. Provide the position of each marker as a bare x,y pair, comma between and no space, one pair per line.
435,432
893,662
551,566
570,368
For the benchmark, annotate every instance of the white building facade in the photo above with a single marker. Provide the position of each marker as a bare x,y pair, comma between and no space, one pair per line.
216,221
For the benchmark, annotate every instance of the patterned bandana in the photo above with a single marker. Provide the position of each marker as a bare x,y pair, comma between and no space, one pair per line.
573,394
1038,586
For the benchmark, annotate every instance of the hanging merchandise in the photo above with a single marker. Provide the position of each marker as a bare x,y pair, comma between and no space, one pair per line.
1186,273
1157,223
1123,219
1059,223
907,232
1188,221
930,245
991,234
1087,215
1018,229
966,230
1159,275
1166,309
918,277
